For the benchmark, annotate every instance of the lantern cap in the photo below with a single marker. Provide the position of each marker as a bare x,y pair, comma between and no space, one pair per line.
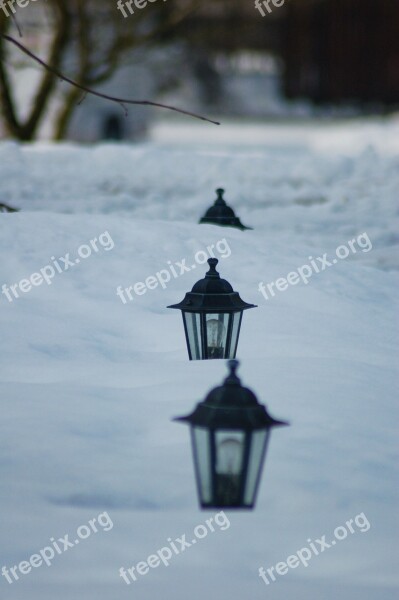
221,214
231,406
212,294
212,282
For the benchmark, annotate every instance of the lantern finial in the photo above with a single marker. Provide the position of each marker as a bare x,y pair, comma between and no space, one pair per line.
233,378
220,200
212,262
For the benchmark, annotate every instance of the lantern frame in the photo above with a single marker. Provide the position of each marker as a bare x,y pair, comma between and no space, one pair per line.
212,297
235,409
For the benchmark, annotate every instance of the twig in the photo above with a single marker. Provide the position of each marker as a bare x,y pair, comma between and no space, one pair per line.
17,25
120,101
83,98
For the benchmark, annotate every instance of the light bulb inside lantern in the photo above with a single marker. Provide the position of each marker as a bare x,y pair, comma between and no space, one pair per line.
229,457
228,470
216,332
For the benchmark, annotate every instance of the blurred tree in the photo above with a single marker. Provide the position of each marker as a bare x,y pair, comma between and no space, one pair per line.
85,39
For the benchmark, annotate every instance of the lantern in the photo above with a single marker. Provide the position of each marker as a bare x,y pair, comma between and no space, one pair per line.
221,214
212,314
230,432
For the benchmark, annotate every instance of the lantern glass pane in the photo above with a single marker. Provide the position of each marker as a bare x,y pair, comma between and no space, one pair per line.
258,447
216,334
230,448
193,328
234,334
202,454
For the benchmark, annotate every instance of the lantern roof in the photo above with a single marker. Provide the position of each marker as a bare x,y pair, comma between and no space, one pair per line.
231,406
221,214
212,294
212,283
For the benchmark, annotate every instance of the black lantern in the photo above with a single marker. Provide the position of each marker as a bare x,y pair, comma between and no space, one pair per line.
230,431
212,314
221,214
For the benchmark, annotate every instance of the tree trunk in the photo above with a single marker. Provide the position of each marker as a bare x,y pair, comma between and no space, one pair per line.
64,116
27,131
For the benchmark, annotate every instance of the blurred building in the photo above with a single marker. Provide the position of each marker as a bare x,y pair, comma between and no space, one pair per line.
338,51
327,52
98,120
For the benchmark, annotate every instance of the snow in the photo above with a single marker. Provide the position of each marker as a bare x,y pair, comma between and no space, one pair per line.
89,385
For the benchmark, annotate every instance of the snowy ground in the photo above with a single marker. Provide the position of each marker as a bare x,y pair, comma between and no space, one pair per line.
89,385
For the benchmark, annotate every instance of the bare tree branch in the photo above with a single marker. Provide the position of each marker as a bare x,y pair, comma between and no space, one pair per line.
120,101
17,25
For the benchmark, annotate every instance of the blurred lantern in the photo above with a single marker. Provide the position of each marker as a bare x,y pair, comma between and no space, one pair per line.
212,314
221,214
230,431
